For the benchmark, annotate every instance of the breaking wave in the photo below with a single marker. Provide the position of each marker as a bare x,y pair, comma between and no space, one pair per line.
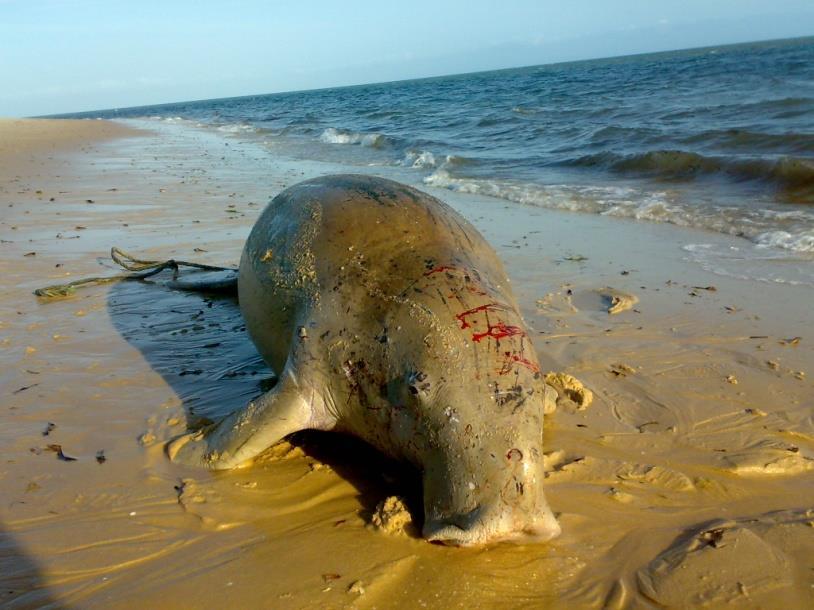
796,242
332,135
793,177
419,159
753,141
424,159
236,128
757,225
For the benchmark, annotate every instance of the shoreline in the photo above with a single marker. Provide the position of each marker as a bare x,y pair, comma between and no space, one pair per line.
669,446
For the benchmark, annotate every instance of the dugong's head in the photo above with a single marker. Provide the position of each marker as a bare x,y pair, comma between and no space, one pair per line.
480,451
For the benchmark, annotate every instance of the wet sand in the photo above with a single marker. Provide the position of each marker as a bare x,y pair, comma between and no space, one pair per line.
687,480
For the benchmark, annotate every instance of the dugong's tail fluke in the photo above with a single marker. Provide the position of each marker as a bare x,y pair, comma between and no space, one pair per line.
207,281
208,278
246,433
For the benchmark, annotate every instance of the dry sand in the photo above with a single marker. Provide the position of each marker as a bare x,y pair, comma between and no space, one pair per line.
26,142
688,480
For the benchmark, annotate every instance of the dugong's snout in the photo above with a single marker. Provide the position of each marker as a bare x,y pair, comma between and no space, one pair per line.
504,504
482,527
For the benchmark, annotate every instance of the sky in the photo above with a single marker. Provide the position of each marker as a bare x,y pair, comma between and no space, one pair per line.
59,56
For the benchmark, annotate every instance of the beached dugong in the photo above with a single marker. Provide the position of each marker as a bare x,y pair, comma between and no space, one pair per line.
389,317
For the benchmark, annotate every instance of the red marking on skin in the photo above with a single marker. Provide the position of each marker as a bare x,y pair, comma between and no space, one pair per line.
499,331
475,290
462,317
526,363
511,360
440,269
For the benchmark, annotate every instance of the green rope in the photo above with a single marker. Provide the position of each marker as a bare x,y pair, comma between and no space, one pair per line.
139,270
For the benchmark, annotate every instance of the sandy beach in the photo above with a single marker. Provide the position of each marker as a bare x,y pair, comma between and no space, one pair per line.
687,481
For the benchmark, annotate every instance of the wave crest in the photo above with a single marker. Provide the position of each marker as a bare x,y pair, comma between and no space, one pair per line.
424,159
801,242
793,177
419,159
236,128
332,135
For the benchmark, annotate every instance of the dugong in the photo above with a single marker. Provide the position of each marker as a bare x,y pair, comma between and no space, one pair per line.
389,317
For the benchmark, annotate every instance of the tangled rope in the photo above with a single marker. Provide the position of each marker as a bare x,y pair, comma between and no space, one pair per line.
139,270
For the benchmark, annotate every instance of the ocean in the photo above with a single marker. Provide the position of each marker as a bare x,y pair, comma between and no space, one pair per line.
719,138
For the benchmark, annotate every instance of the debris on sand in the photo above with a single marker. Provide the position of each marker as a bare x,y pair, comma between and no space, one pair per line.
24,388
60,455
621,369
616,300
570,387
391,516
356,587
146,439
557,303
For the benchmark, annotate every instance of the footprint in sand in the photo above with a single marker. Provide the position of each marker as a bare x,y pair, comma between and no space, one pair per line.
745,563
610,300
767,458
557,304
743,442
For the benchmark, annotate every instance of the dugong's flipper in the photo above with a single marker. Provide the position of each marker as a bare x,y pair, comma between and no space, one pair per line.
248,432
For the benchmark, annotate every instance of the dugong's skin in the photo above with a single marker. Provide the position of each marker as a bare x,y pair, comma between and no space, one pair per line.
391,318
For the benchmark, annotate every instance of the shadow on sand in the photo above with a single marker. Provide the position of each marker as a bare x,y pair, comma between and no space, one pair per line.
21,585
199,345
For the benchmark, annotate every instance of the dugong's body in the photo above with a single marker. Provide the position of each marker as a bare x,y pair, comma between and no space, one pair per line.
390,318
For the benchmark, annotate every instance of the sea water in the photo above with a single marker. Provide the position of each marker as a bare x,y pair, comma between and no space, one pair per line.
719,138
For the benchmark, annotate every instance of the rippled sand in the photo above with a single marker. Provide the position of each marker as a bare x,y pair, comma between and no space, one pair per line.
688,480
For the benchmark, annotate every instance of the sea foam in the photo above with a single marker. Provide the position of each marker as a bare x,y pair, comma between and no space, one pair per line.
332,135
756,225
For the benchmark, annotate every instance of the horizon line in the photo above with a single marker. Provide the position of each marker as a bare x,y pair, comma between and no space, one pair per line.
427,78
